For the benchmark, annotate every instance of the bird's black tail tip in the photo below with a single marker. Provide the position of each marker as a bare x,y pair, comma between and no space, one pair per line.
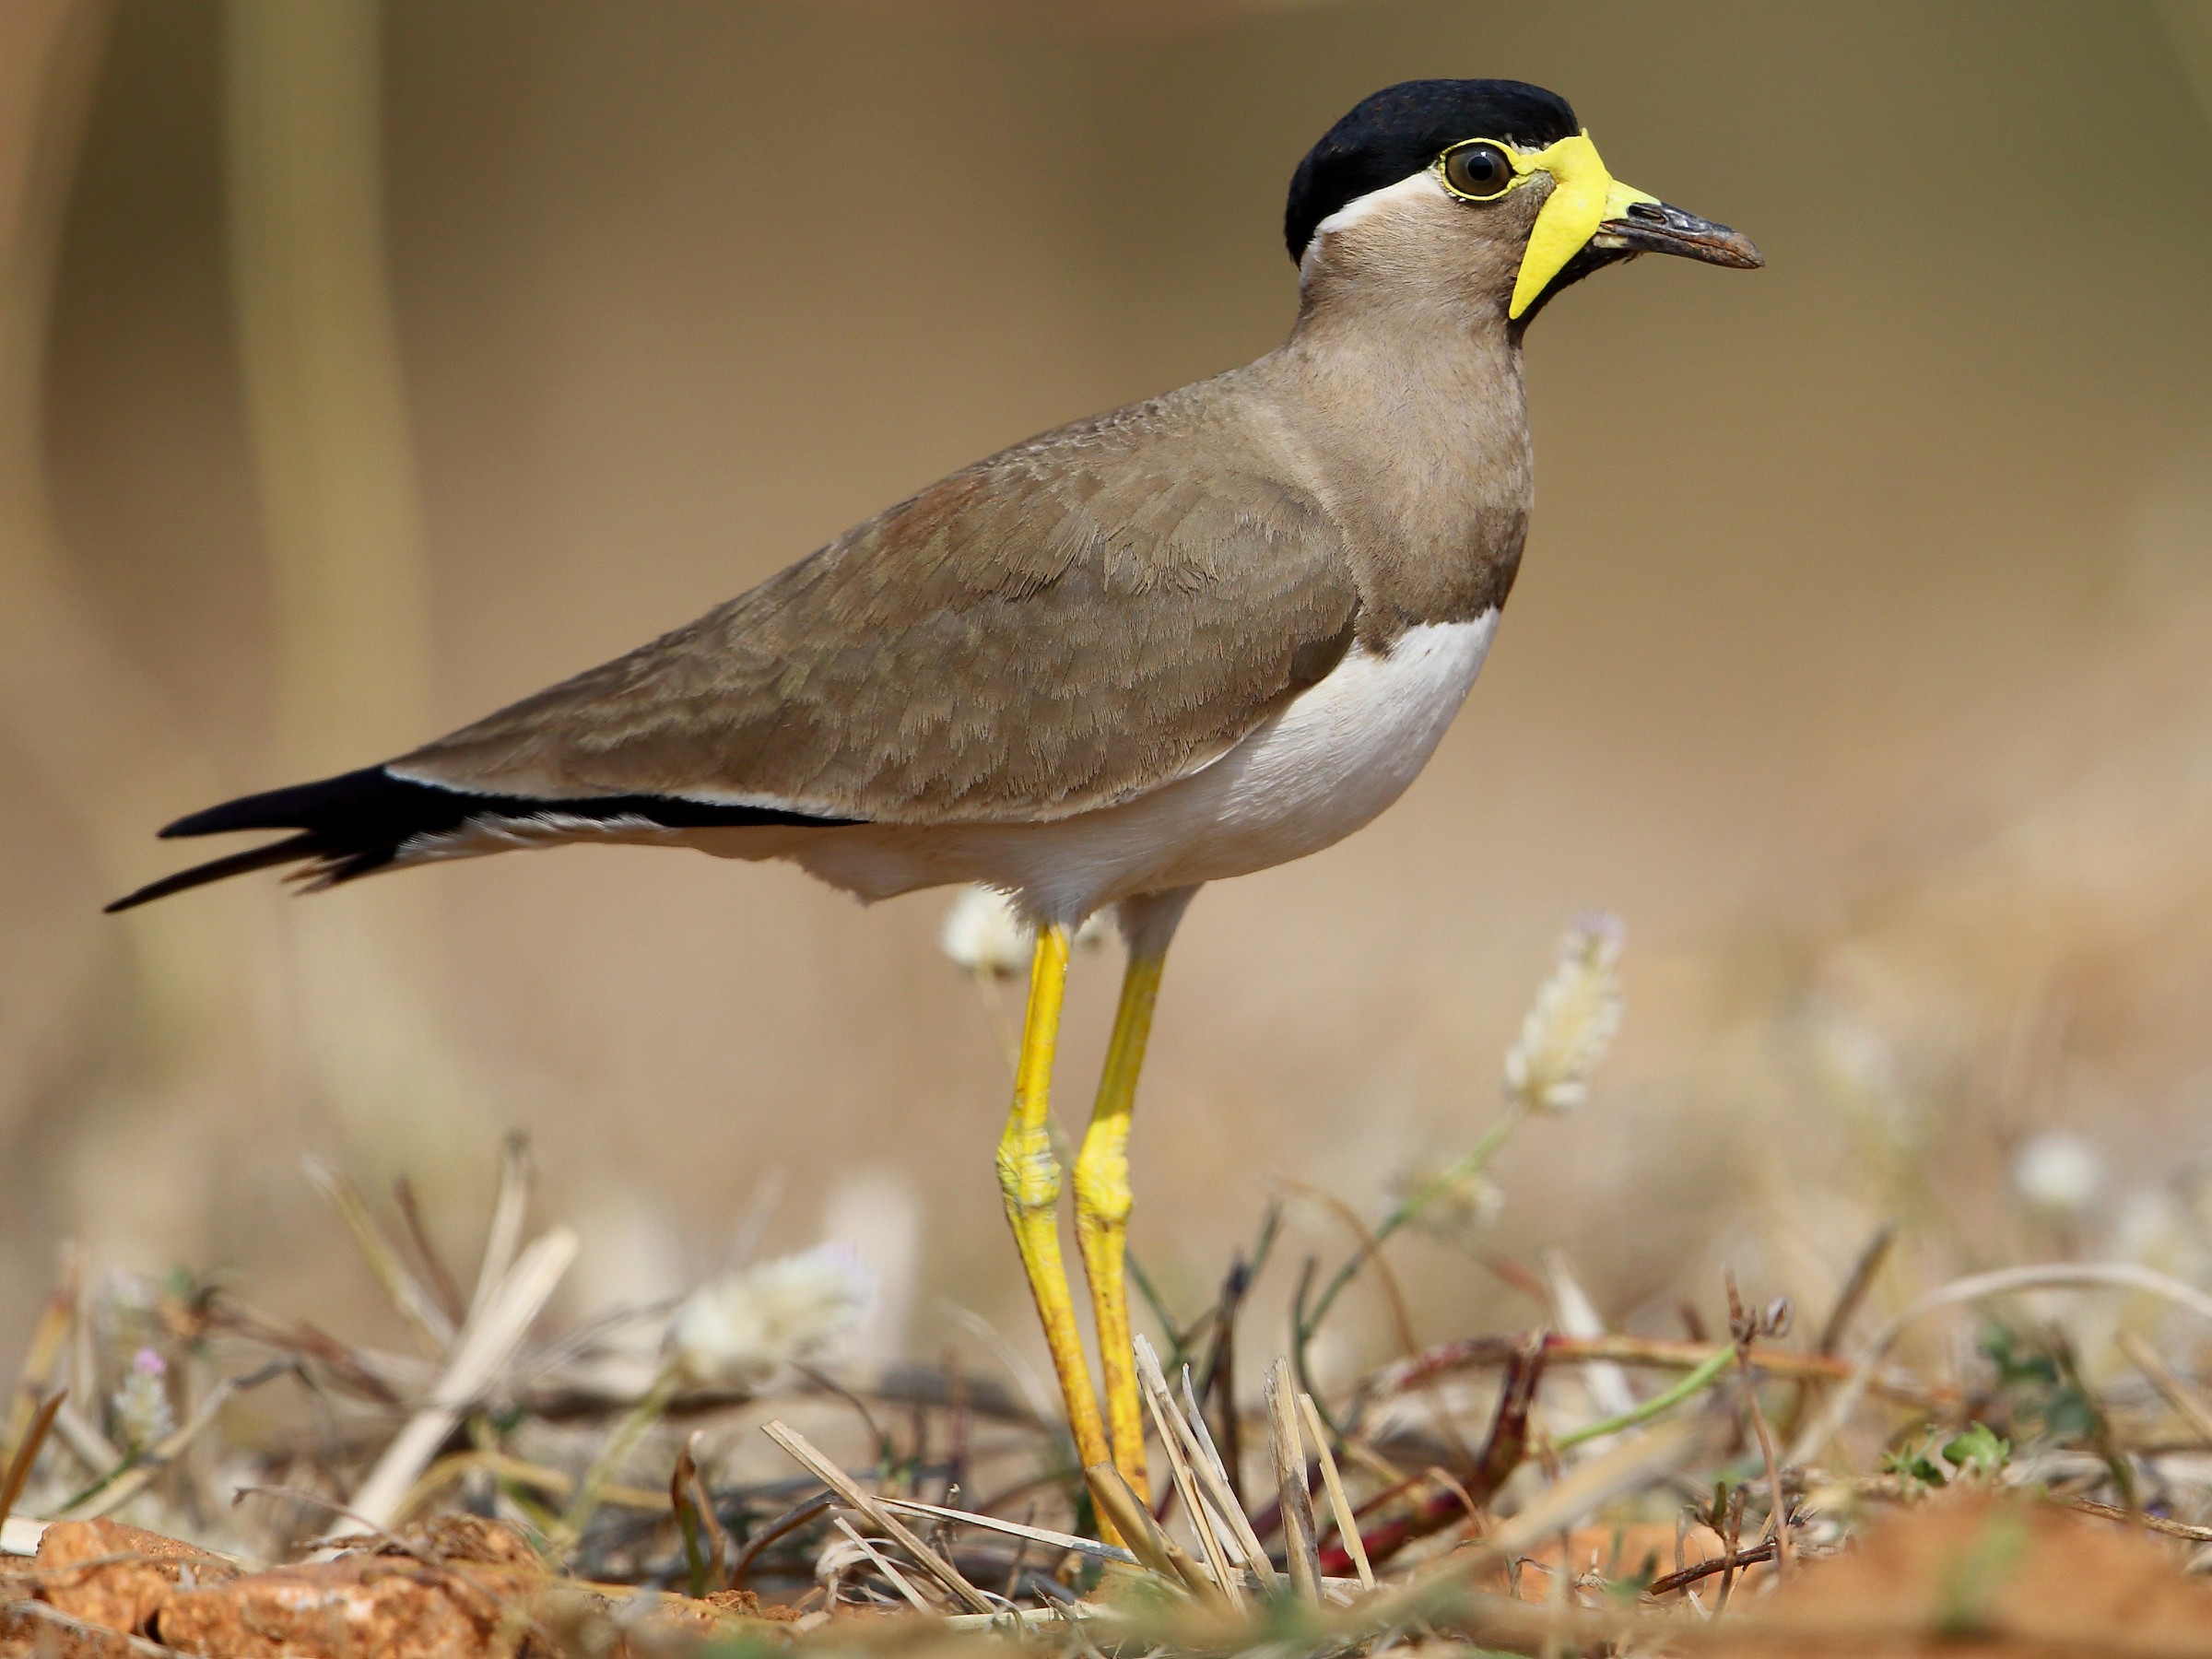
350,824
317,806
360,822
287,851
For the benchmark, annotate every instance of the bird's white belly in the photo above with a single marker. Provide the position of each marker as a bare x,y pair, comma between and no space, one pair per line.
1324,766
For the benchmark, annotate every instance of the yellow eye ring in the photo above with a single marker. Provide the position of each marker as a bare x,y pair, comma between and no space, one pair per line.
1479,169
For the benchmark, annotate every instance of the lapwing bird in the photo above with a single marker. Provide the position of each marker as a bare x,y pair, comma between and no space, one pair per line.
1188,640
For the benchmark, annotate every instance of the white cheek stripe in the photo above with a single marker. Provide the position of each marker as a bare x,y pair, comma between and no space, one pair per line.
1411,188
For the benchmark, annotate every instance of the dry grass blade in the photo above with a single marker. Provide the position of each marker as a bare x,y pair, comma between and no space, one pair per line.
415,1303
27,1454
875,1559
89,1446
1218,1479
1062,1617
56,1318
483,1348
1181,1446
783,1527
442,1285
509,1209
1012,1529
1347,1523
2177,1393
1301,1550
1214,1538
852,1498
1854,1294
1120,1504
1778,1501
1217,1476
1578,1316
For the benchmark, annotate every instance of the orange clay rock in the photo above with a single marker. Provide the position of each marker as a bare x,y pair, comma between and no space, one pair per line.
117,1577
453,1587
1993,1563
32,1630
392,1607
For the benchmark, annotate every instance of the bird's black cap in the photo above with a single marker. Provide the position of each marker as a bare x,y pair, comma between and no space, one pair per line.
1398,130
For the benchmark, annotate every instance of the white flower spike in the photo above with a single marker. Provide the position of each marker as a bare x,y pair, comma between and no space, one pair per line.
140,1408
2059,1174
741,1330
984,933
1576,1017
1449,1201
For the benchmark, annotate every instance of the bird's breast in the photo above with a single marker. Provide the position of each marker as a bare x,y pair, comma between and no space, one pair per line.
1306,778
1346,748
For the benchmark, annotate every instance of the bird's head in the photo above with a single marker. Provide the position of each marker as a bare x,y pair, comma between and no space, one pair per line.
1485,188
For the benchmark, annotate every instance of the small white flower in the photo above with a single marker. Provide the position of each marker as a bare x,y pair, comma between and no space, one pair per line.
742,1329
984,933
2058,1173
140,1407
1576,1015
1466,1204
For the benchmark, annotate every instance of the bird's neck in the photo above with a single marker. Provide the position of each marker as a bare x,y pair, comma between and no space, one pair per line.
1411,399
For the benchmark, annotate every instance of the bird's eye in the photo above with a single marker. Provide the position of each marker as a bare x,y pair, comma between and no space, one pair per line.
1478,171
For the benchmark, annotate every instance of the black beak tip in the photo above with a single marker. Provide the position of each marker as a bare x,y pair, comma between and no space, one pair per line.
1656,227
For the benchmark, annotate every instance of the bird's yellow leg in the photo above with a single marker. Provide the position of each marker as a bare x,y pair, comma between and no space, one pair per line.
1103,1202
1029,1176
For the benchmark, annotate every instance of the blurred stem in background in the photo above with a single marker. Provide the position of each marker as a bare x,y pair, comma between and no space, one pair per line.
334,467
333,459
76,709
95,739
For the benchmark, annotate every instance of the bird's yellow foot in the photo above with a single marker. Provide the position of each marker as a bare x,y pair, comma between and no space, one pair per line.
1028,1179
1102,1203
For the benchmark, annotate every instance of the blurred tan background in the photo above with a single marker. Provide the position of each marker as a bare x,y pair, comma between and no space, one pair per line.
366,368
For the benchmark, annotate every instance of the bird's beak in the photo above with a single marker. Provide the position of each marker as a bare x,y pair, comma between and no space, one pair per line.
1588,207
1656,227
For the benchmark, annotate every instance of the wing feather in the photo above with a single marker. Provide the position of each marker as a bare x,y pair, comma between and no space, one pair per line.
1066,625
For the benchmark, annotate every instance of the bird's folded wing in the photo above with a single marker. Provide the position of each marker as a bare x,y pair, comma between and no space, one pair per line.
1064,627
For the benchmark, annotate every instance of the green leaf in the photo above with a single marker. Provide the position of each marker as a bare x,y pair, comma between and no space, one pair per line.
1917,1466
1978,1451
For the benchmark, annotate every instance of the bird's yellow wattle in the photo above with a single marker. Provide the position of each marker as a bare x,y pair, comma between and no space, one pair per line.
1583,196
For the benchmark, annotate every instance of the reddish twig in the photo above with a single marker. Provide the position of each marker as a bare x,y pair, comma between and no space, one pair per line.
1687,1576
1442,1503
